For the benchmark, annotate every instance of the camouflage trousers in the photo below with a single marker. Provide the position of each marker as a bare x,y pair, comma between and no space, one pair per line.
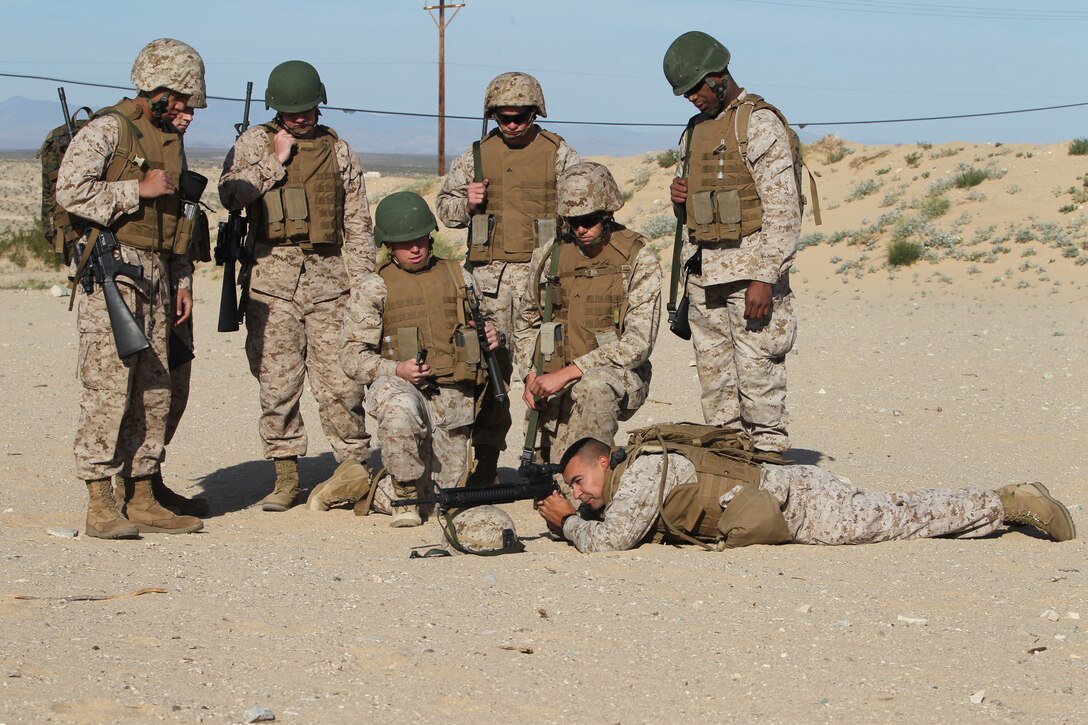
821,508
286,342
423,435
499,301
180,379
592,407
742,366
123,404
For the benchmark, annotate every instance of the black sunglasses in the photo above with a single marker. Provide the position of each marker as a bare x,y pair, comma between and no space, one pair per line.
516,118
586,221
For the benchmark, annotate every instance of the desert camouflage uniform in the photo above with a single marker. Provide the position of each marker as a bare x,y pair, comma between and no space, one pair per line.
500,285
742,368
610,389
423,433
123,403
819,508
296,306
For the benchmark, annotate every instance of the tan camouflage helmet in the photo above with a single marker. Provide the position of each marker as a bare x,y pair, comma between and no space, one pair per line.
514,89
585,188
172,64
481,530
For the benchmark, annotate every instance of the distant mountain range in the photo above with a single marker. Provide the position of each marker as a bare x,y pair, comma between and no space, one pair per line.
25,122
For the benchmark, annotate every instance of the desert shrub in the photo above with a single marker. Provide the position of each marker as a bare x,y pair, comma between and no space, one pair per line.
863,189
968,178
944,153
934,206
668,159
422,186
924,145
883,170
659,226
1078,147
21,245
903,253
1067,209
811,240
913,159
446,248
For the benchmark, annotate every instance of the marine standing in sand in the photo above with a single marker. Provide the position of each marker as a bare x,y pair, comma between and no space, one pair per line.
743,216
121,173
505,186
303,191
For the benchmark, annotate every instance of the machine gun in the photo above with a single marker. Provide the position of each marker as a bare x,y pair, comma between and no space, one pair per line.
104,266
537,483
230,249
494,374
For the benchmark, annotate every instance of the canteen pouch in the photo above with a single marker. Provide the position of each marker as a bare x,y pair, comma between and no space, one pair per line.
466,355
545,231
551,347
480,230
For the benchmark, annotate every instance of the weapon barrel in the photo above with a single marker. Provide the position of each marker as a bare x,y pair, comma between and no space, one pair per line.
454,498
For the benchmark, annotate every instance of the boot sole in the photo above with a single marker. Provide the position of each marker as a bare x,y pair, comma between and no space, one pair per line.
95,533
148,529
405,524
274,507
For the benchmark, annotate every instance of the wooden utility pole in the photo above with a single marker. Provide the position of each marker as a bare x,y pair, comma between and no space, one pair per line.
442,22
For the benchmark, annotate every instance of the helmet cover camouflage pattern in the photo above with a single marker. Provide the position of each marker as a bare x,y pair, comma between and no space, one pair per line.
585,188
482,530
514,89
690,58
172,64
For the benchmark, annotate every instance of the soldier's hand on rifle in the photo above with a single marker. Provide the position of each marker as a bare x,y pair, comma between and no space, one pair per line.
495,339
283,144
477,194
554,509
156,183
678,190
183,306
413,373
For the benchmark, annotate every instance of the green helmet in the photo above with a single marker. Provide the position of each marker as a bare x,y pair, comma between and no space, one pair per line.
402,217
690,58
294,87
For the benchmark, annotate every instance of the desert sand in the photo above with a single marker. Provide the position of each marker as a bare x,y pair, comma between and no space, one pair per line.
965,369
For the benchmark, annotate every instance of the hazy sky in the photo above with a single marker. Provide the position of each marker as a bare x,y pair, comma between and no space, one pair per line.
818,60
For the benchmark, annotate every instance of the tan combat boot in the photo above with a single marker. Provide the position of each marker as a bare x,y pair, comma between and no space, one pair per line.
1032,504
405,516
171,499
486,470
286,491
150,517
349,482
104,519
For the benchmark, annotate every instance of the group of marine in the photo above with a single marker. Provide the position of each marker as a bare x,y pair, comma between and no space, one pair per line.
570,299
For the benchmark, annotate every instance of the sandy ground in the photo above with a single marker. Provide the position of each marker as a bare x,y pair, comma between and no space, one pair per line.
897,381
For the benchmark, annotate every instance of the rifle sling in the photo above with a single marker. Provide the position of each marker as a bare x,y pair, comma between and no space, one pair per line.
545,316
681,220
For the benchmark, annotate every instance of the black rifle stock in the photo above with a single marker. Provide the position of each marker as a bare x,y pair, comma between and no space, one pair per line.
494,374
230,250
105,265
538,483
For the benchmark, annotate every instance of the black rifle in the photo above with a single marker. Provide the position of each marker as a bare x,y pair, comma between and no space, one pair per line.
230,248
494,374
538,483
104,266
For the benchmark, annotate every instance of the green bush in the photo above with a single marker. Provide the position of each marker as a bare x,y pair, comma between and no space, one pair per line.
934,206
1078,147
863,189
22,245
668,159
969,177
903,253
913,159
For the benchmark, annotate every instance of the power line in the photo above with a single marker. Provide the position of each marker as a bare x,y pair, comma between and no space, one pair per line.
409,114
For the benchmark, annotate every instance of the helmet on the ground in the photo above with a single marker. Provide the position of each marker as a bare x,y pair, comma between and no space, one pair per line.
585,188
690,58
171,64
402,217
514,89
483,530
293,87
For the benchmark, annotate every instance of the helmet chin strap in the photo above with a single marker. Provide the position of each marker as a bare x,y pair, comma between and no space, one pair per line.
300,132
719,92
159,107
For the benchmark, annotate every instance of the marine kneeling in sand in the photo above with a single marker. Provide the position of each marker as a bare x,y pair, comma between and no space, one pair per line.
407,334
660,491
